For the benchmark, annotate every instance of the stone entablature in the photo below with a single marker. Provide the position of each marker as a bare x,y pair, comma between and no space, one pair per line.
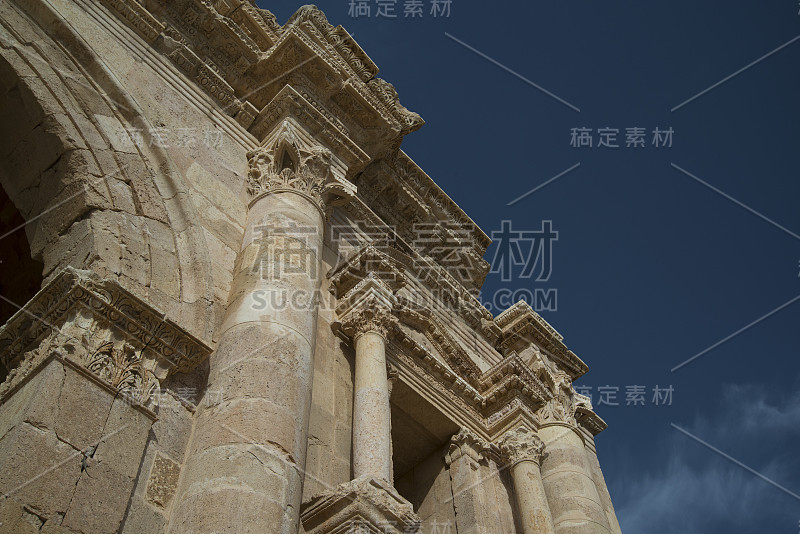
309,66
105,329
521,326
368,308
362,505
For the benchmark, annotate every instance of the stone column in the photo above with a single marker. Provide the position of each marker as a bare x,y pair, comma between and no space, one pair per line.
524,452
571,492
366,319
600,482
245,464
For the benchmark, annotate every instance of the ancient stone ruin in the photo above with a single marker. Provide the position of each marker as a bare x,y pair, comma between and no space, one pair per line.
227,322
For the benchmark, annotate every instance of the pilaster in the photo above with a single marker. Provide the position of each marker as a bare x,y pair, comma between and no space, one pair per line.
474,505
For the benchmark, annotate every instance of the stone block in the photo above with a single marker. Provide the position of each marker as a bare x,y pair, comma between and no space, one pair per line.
124,438
172,430
228,510
100,500
14,518
164,272
83,408
229,231
38,470
142,519
163,481
35,402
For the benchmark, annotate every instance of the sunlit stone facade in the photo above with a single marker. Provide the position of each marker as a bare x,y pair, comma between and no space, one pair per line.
237,328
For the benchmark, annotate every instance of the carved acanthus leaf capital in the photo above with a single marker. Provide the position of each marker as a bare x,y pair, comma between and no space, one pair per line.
466,444
371,315
367,308
522,444
98,325
288,163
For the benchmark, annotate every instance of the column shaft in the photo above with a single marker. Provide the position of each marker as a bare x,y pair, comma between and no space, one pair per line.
571,492
372,417
245,464
600,483
531,498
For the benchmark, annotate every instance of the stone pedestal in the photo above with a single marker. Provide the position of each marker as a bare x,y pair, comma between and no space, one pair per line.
524,452
362,505
571,492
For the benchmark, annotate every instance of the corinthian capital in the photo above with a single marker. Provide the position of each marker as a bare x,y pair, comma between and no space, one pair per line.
465,444
367,308
290,162
370,316
521,444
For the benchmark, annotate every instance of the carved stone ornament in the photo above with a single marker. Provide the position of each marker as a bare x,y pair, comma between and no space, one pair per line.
466,444
100,326
371,316
289,164
367,307
361,505
125,369
520,445
561,408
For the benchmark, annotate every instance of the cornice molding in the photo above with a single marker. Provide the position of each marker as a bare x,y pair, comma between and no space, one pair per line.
408,199
588,419
521,326
242,57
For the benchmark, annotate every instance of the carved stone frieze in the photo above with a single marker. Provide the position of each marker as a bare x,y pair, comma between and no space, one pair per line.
521,444
99,325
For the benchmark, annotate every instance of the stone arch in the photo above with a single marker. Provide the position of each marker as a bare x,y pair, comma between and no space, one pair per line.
92,195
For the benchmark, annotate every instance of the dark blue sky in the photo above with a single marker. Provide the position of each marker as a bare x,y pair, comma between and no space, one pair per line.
651,265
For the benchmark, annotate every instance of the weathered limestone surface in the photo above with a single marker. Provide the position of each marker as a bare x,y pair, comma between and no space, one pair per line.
239,327
571,491
524,452
251,447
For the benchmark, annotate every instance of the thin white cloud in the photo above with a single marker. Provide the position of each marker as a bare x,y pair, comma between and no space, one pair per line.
699,491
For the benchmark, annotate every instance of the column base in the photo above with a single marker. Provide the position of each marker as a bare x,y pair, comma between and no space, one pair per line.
364,505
